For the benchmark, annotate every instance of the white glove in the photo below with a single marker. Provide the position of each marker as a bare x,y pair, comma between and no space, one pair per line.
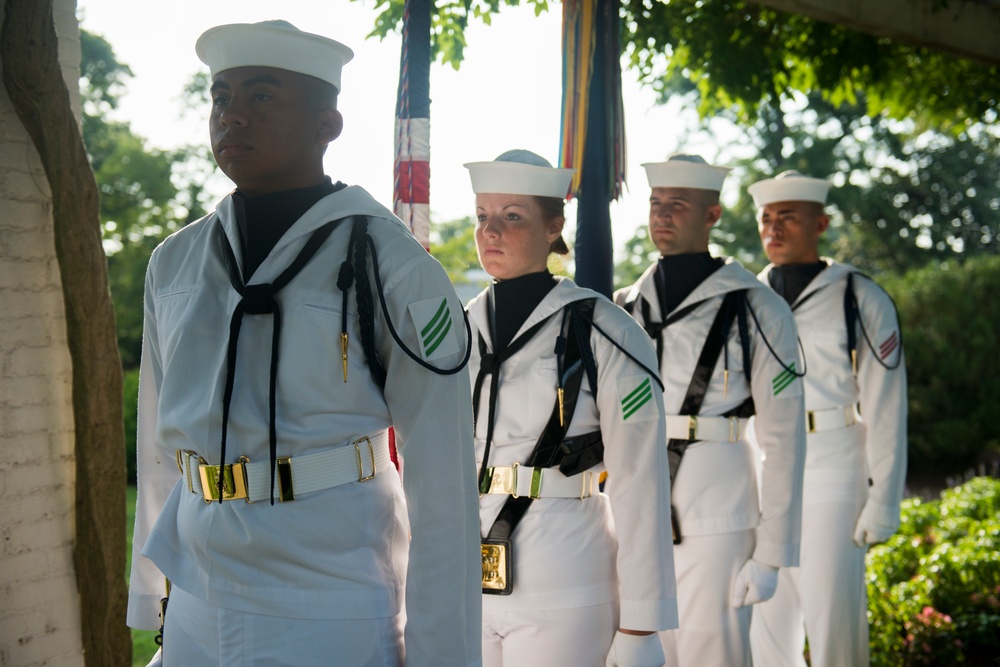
157,660
756,582
869,530
636,651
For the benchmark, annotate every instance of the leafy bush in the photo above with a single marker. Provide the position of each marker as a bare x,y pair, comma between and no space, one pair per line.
130,394
951,323
934,587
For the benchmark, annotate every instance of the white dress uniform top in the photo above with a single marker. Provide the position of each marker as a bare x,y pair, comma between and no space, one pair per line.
727,515
854,477
613,546
354,551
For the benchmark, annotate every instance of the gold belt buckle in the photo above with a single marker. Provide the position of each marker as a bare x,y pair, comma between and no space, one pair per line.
503,480
234,481
371,456
692,427
811,421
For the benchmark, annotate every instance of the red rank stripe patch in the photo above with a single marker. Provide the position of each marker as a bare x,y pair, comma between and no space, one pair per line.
889,345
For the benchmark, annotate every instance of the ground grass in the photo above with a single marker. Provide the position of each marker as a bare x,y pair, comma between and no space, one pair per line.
143,646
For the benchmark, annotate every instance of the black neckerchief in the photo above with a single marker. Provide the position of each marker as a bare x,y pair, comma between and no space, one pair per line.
678,275
260,299
514,300
264,219
792,279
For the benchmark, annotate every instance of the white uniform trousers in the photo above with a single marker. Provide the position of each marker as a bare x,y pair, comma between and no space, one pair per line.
198,634
573,637
824,597
712,632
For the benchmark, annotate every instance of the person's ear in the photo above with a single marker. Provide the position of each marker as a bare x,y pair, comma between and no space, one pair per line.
822,223
713,214
331,124
556,227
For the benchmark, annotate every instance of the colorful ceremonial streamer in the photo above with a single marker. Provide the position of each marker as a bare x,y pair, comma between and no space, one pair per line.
591,62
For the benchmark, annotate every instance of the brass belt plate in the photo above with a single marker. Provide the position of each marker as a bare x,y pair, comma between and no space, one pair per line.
496,567
234,481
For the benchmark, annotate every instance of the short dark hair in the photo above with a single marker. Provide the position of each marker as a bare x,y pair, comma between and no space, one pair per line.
554,207
709,197
320,95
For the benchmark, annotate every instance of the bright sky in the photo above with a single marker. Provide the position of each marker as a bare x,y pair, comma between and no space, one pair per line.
506,95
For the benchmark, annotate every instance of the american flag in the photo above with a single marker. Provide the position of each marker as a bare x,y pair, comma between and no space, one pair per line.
411,171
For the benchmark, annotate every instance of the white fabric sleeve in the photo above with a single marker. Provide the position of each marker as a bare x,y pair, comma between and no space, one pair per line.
156,475
779,428
635,455
432,418
883,402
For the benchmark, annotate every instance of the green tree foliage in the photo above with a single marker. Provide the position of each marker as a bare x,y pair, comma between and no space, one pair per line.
130,413
900,199
825,100
934,587
951,322
453,243
639,254
739,54
146,193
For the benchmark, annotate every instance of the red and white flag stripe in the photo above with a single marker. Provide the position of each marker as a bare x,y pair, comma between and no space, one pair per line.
411,196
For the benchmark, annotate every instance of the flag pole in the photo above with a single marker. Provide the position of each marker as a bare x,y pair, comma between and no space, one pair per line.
411,167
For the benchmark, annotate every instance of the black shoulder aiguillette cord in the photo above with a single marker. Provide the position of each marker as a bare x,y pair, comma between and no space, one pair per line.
852,315
370,242
259,299
358,247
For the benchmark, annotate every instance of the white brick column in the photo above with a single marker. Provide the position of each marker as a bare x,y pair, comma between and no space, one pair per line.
39,603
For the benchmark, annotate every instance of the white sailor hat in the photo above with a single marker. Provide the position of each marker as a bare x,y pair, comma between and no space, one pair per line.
276,44
789,186
520,172
685,171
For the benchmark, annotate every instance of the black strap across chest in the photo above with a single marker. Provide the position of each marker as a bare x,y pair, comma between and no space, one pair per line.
489,365
654,329
729,310
552,448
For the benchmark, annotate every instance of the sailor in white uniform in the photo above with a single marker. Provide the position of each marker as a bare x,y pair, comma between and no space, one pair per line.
565,389
269,379
727,350
855,393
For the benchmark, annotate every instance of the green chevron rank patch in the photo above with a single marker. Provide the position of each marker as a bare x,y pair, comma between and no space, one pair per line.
783,380
635,394
435,328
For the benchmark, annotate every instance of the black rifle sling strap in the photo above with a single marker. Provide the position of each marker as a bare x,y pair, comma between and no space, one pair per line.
552,447
700,381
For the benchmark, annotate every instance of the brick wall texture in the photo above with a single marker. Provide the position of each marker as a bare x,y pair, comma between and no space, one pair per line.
39,603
